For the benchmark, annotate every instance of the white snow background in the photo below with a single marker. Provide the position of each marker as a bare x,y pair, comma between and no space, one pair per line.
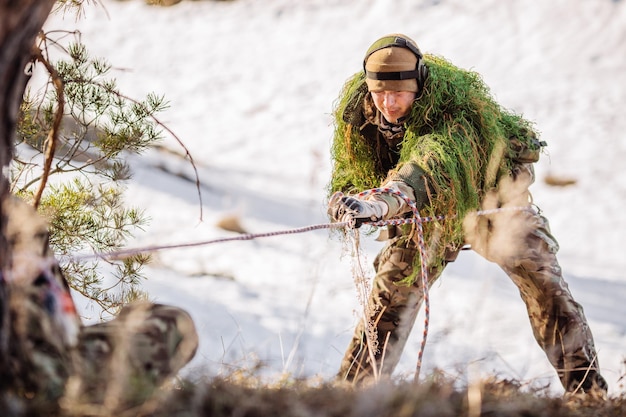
251,85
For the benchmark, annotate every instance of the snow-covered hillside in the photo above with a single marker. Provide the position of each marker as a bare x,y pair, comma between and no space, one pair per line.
251,85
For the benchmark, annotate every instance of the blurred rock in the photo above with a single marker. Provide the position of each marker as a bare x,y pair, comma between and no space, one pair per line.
559,181
231,223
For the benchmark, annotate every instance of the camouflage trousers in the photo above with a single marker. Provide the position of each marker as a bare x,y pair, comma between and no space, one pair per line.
48,357
558,322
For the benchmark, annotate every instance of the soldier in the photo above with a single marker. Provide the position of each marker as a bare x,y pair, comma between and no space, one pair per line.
51,356
432,132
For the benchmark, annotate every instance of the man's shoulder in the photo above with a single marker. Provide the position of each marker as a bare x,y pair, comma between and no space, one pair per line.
352,100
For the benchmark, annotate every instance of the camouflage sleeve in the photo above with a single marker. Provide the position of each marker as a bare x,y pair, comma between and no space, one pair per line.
396,205
410,179
526,150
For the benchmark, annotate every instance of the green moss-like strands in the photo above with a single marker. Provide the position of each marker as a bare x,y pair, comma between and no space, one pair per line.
354,169
456,132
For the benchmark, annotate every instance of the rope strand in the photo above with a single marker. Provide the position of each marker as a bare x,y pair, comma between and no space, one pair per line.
416,219
125,253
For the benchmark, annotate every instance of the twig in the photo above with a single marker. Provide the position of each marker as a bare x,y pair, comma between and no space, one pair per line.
53,134
171,132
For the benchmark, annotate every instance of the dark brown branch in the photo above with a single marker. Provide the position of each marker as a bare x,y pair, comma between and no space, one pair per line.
53,134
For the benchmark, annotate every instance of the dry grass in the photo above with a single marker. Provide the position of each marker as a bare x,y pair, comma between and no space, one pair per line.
438,396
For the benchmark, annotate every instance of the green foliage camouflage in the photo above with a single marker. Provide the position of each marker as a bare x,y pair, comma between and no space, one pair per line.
456,133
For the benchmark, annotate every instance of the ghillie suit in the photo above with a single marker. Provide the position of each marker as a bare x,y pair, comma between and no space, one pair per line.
456,136
51,360
458,151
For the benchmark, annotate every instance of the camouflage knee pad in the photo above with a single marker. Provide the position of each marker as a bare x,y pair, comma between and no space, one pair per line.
129,357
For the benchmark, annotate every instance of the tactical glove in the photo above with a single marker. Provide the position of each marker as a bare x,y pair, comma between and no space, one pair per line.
356,210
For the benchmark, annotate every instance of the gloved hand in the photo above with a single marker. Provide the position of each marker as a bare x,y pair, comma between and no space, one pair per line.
342,208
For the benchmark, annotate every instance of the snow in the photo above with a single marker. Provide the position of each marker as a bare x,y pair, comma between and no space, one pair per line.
251,86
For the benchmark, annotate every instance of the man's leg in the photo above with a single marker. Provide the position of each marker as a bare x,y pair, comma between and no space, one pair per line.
558,321
393,307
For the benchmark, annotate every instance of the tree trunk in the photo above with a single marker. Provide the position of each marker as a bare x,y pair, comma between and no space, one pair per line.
20,22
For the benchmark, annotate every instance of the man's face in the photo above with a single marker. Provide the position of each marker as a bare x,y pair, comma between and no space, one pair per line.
393,104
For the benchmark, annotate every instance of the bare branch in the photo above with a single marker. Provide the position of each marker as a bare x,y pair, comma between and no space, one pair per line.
53,134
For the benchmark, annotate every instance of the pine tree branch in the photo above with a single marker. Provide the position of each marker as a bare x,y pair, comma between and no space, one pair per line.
171,132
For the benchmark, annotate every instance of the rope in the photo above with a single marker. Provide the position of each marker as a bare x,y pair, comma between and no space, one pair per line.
125,253
416,219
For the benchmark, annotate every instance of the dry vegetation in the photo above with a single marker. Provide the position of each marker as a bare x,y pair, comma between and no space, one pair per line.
438,396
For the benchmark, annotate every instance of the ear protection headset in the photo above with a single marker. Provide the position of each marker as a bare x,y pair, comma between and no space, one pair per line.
420,72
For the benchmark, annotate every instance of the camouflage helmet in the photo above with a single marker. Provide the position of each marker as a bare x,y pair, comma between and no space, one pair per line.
395,63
